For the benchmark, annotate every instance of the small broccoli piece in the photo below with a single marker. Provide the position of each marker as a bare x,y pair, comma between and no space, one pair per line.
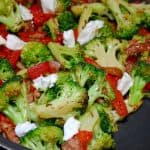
106,55
105,32
12,87
62,5
142,7
43,138
35,52
68,57
91,121
10,15
66,21
17,109
51,27
97,8
68,97
6,70
93,80
141,76
128,18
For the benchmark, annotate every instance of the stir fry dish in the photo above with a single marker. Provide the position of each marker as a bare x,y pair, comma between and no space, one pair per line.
70,70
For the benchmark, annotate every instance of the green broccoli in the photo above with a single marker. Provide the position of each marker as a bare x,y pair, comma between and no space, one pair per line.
105,32
68,57
62,5
10,15
6,70
97,8
66,21
35,52
63,99
43,138
17,108
142,7
128,18
91,121
51,27
141,76
108,54
93,80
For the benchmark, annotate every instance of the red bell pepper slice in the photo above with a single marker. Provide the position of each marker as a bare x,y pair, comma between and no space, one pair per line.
3,31
143,31
118,103
43,68
91,61
84,137
38,16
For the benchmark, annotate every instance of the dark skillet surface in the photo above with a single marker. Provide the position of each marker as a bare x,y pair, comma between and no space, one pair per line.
133,134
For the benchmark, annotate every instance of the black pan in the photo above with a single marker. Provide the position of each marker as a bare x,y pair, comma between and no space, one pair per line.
134,132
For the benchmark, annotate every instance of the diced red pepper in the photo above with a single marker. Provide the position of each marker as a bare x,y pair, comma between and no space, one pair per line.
1,82
42,68
14,57
38,16
147,87
143,31
76,33
59,38
91,61
3,31
84,137
118,103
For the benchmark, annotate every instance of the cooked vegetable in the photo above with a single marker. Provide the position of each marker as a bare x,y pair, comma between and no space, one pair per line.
43,138
10,15
35,52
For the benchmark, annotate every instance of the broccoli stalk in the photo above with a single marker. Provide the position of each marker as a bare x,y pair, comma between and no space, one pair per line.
43,138
127,17
63,99
10,15
68,57
141,76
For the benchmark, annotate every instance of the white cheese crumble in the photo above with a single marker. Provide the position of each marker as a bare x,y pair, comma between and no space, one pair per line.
14,43
71,127
2,40
48,5
43,83
23,128
25,13
89,31
124,83
68,38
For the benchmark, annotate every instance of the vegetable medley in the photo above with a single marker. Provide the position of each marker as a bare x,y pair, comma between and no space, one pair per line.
70,70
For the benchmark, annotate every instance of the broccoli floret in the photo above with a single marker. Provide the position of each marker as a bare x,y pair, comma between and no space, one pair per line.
10,15
43,138
62,5
17,109
105,32
128,18
141,76
90,121
68,57
98,8
35,52
93,80
66,21
51,27
142,7
68,97
6,70
12,87
106,55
